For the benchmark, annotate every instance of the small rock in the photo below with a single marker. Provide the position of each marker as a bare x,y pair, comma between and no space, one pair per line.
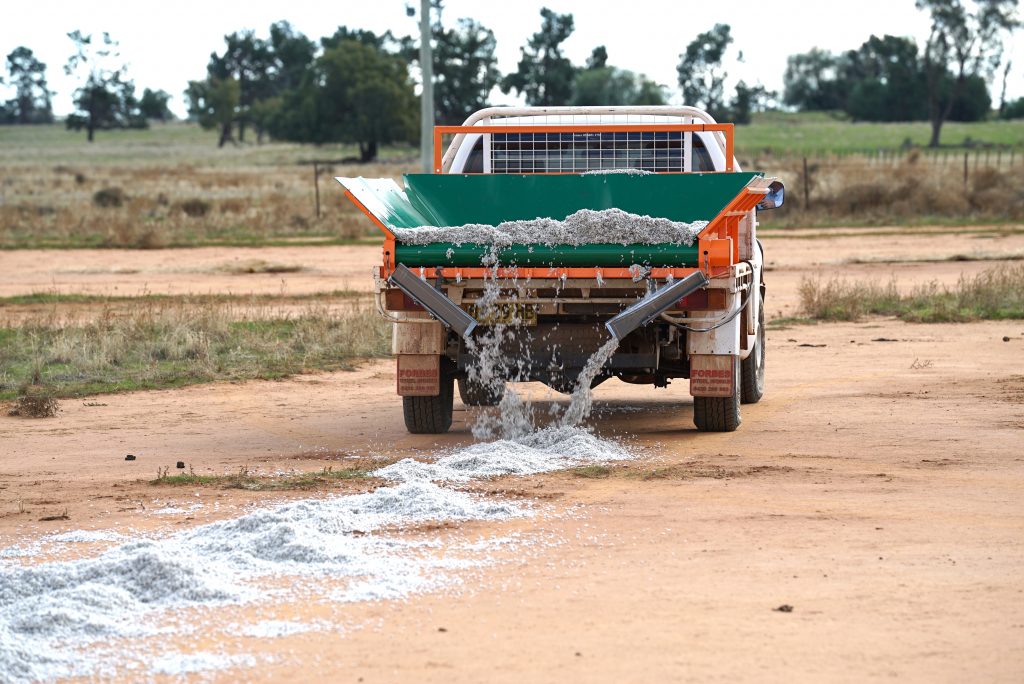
784,608
442,629
1006,338
180,465
129,457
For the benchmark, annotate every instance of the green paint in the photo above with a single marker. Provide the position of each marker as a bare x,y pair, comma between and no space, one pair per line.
445,200
455,200
542,255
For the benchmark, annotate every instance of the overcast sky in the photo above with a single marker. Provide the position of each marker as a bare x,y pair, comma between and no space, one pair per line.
168,43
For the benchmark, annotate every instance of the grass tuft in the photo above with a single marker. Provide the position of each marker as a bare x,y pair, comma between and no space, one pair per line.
593,472
35,402
994,294
246,479
178,342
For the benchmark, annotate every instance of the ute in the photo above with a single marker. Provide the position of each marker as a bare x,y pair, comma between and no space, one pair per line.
690,309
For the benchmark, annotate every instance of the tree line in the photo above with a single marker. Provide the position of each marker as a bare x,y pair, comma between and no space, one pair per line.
894,79
357,87
105,98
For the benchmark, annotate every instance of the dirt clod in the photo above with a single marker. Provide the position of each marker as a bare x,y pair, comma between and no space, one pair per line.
784,608
130,457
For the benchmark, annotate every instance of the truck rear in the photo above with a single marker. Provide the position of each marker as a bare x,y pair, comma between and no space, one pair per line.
545,232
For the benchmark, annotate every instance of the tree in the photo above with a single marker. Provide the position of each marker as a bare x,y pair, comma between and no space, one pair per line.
965,39
701,75
598,58
214,104
600,84
1013,110
356,92
106,98
153,105
249,61
884,81
31,102
544,75
812,81
465,68
292,53
749,99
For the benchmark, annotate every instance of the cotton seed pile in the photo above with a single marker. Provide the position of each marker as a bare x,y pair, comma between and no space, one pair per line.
586,226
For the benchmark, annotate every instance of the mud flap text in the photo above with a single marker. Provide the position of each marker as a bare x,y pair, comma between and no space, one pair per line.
712,375
419,375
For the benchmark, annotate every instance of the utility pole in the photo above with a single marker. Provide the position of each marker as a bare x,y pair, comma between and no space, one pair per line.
427,98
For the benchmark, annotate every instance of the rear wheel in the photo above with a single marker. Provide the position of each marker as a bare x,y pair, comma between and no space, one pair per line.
718,414
430,415
475,394
752,367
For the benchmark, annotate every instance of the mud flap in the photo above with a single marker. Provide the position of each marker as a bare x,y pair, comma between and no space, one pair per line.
713,375
419,375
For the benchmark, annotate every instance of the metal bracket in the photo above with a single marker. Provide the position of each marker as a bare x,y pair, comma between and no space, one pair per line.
442,308
646,309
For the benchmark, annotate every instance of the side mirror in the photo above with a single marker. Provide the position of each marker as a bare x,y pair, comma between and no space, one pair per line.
775,197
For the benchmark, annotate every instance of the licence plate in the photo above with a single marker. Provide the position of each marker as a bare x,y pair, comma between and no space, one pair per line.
505,314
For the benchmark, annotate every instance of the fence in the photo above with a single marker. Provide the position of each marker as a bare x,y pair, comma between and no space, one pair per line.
821,175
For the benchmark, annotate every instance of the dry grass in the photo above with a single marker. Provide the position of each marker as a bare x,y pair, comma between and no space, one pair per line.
995,294
171,186
914,190
35,403
178,342
251,481
154,207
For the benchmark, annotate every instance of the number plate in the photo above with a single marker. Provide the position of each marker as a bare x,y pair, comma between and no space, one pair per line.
505,314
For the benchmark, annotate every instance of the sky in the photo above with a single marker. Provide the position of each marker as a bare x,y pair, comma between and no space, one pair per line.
169,43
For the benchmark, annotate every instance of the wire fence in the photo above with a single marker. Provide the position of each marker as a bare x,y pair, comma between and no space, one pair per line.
824,178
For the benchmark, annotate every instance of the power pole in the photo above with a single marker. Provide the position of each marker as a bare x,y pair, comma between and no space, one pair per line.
427,98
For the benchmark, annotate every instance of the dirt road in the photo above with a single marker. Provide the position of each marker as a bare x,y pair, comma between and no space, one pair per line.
876,491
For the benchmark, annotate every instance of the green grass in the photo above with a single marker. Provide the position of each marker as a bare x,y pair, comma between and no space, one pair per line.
178,343
245,479
813,133
177,142
592,472
995,294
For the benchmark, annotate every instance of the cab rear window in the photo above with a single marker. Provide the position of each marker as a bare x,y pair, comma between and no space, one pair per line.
581,151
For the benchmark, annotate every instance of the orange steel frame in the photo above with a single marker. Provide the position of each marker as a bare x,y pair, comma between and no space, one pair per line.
720,235
441,131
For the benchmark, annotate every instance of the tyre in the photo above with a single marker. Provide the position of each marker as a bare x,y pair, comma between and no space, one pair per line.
719,414
752,367
475,394
430,415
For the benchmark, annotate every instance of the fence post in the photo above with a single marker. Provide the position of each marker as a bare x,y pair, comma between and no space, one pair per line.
965,168
807,189
316,186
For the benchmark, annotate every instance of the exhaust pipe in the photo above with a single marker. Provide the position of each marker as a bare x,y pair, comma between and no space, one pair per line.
645,310
442,308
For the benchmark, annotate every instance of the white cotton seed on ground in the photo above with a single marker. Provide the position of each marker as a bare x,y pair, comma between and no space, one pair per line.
586,226
50,614
178,664
271,629
541,451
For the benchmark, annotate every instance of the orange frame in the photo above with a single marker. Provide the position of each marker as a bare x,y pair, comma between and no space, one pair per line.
727,129
718,242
